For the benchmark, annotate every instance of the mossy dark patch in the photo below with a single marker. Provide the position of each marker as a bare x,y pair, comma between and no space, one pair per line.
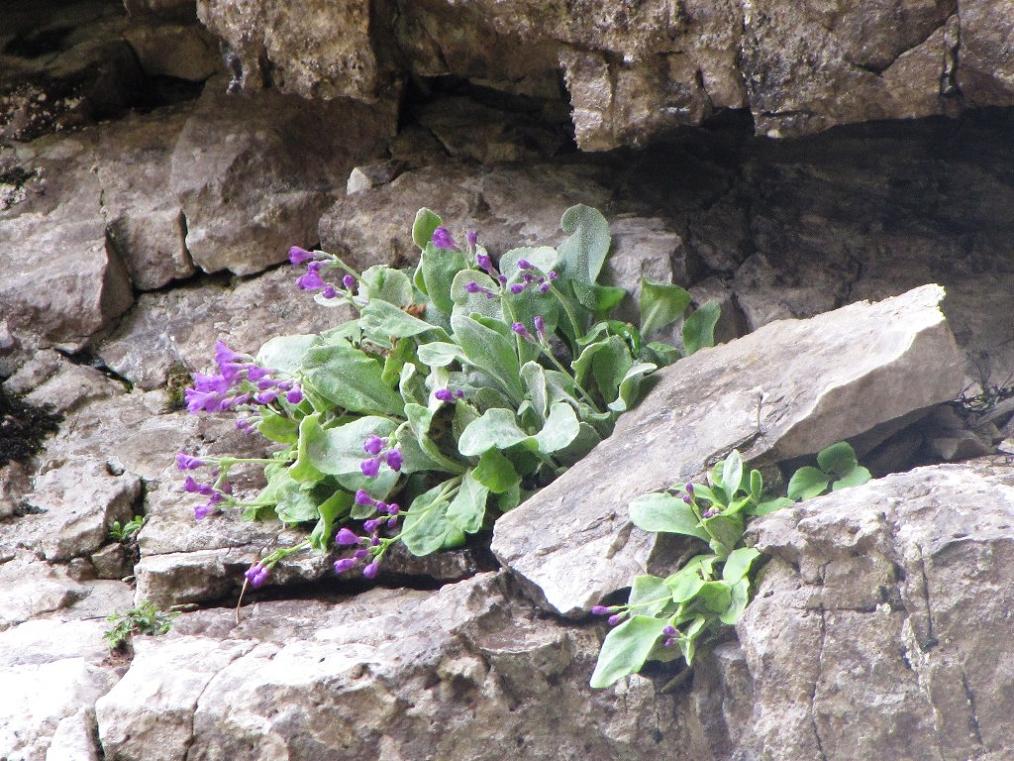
178,380
23,428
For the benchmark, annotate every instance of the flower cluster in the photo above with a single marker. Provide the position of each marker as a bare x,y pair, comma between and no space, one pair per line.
318,264
447,395
257,574
239,381
381,453
217,490
530,278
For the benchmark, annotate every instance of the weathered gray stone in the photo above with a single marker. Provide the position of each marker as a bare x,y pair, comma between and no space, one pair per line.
144,219
371,175
72,386
875,627
183,51
786,390
111,562
248,188
508,206
72,508
461,673
29,588
320,49
178,328
52,674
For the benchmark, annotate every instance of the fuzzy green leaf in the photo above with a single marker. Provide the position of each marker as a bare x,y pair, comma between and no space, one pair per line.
661,304
806,483
352,379
425,223
285,353
699,327
837,459
468,508
665,513
738,564
496,428
626,648
495,472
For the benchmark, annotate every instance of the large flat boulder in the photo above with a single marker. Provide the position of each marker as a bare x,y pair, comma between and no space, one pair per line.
877,629
464,672
788,389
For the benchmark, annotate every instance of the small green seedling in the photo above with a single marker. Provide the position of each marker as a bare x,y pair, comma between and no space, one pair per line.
127,531
144,619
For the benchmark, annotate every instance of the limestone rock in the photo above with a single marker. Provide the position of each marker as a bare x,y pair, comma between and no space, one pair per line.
461,673
73,386
183,51
320,49
508,206
72,508
175,331
247,187
881,609
985,69
31,588
52,674
786,390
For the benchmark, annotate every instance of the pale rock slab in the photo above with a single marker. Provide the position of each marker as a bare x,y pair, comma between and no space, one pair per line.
786,390
72,508
876,628
247,187
463,673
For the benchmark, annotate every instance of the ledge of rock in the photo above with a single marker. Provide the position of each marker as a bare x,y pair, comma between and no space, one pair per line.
788,389
634,71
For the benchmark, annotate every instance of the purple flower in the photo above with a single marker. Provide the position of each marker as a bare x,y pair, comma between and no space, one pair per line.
186,462
524,264
191,486
472,287
472,237
256,373
710,513
553,274
540,325
266,397
310,281
370,467
361,554
522,331
443,394
394,460
294,397
601,610
329,292
315,267
257,575
349,282
442,238
345,564
347,538
299,255
372,525
517,288
363,498
544,288
615,619
687,499
203,511
373,444
670,631
689,489
371,571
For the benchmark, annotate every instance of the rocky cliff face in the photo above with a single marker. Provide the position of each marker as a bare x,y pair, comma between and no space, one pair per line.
155,164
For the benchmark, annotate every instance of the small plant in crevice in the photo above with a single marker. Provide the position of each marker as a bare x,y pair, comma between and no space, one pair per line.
127,531
143,619
460,389
669,618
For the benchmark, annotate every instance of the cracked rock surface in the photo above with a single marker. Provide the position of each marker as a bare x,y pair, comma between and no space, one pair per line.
149,187
882,608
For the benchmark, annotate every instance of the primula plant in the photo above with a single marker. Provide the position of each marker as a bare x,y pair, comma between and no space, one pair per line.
666,619
458,390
